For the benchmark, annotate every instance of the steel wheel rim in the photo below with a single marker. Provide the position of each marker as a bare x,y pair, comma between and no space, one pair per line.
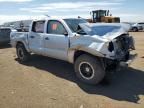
86,70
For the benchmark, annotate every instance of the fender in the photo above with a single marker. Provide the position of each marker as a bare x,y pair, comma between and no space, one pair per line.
20,38
72,51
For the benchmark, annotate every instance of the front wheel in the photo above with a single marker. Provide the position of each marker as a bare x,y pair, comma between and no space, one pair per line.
89,69
135,29
22,53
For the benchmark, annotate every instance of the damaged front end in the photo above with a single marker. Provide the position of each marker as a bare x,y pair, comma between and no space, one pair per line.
122,47
117,45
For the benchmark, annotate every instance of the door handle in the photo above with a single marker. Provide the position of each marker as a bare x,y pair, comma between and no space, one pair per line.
46,38
32,37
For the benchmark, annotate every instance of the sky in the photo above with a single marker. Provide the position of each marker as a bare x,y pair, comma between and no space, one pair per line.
13,10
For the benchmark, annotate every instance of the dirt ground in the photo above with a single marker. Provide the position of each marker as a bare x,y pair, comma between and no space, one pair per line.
50,83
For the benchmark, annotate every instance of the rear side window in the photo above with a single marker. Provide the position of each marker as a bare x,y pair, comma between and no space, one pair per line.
55,27
38,26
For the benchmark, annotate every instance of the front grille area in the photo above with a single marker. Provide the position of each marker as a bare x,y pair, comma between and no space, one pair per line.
122,47
123,43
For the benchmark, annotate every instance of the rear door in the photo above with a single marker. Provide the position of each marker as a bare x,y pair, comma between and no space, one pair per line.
35,37
56,40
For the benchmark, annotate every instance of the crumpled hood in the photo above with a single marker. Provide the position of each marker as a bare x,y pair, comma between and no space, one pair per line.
105,30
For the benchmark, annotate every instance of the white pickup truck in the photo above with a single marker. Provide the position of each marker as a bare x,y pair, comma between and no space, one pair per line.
94,49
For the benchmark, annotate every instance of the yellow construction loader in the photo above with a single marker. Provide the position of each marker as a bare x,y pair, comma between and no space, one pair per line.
103,16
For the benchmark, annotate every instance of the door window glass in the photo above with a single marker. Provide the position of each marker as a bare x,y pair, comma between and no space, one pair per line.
38,26
55,27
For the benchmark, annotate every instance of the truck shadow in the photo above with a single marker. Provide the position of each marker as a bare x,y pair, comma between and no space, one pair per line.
126,85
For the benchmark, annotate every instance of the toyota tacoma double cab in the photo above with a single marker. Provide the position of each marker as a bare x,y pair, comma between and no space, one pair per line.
93,49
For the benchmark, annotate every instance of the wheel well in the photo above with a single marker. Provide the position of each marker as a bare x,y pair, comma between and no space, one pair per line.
18,43
135,28
79,53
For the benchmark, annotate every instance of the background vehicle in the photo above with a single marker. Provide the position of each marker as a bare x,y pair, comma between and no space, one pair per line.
5,35
94,49
136,27
103,16
142,24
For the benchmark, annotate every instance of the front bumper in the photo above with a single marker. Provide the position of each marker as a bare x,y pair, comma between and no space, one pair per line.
129,61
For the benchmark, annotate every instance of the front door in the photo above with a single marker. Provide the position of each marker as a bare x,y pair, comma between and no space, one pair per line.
56,41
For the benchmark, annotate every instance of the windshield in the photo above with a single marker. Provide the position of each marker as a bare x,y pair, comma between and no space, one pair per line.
73,23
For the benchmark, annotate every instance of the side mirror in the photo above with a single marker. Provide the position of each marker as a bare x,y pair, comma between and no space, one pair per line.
76,35
65,33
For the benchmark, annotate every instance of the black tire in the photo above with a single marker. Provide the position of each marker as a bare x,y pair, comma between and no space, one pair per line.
89,69
22,54
135,29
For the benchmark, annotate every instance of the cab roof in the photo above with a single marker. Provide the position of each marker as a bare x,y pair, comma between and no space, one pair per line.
53,18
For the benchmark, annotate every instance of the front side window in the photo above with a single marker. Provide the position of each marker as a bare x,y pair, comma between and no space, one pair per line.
55,27
38,26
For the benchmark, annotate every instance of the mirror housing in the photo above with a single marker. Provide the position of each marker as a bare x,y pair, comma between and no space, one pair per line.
76,35
65,33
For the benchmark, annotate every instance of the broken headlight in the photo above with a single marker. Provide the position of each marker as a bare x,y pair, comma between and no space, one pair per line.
111,46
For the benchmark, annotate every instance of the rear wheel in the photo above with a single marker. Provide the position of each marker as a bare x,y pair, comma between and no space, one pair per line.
22,53
89,69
